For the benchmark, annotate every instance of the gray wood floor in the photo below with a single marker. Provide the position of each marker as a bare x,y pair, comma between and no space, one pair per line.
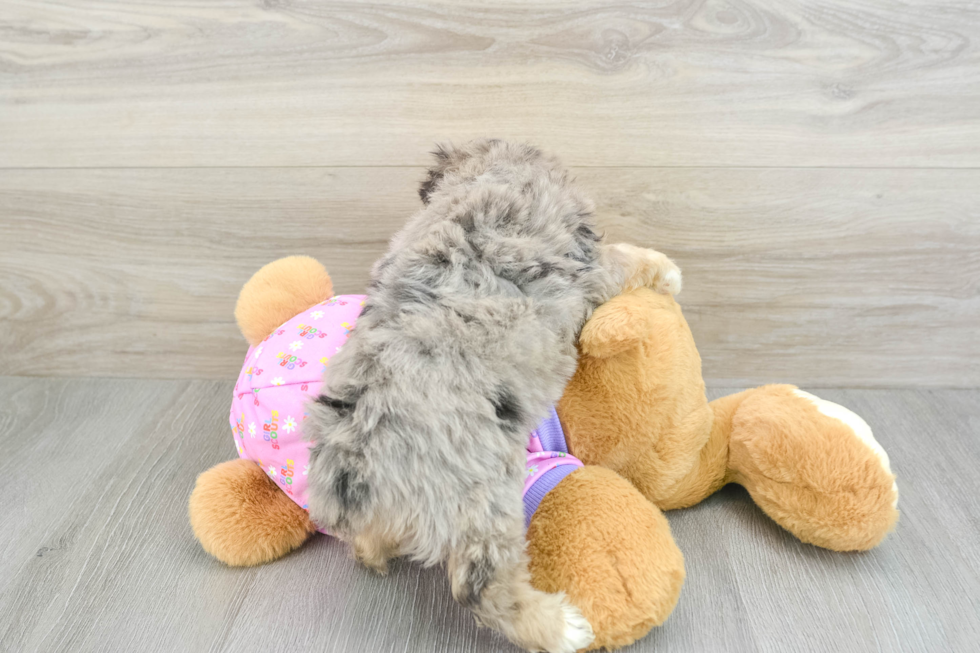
96,553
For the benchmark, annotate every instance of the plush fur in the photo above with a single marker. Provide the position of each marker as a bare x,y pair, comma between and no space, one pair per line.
809,472
637,406
466,339
273,294
241,517
637,402
596,538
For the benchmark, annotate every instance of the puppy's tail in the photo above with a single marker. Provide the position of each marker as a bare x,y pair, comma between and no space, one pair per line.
340,492
491,578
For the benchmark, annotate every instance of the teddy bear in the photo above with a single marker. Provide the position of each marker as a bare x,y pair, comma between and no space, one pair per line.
636,406
640,437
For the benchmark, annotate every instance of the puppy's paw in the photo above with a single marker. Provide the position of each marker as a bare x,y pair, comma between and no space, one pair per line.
659,272
379,567
643,267
549,622
372,554
670,283
578,632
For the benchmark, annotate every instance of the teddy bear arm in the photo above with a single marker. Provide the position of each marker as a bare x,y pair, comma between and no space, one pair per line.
596,538
710,472
241,517
636,403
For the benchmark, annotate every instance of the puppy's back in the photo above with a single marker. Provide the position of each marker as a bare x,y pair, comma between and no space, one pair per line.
466,340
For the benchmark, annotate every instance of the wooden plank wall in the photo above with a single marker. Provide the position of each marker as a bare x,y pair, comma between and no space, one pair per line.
814,166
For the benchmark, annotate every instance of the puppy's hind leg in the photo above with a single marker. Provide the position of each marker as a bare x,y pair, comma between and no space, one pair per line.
373,549
491,578
635,267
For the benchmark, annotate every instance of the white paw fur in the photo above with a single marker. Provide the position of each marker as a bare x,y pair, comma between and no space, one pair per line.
662,274
648,267
578,632
671,282
857,425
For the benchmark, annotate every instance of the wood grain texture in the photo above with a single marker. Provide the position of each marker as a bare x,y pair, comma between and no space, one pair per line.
819,277
96,553
674,83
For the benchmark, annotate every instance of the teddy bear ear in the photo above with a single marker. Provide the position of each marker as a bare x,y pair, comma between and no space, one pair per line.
617,326
279,291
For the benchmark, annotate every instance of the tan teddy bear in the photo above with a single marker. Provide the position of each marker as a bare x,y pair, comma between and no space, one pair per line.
636,414
637,406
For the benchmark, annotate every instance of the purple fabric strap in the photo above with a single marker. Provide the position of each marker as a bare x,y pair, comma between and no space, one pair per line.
552,438
550,433
544,485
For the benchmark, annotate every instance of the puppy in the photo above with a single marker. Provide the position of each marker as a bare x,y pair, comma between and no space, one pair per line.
466,340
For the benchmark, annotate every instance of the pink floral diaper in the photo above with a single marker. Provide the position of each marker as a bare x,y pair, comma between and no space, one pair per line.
285,369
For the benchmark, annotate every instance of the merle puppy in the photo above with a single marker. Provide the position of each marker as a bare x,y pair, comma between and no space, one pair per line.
466,339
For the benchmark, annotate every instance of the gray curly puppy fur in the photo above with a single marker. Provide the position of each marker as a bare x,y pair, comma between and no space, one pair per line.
466,339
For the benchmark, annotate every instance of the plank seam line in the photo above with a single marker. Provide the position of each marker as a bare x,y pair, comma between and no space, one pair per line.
424,165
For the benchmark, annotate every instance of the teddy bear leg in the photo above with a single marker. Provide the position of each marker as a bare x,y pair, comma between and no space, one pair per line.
598,540
814,467
242,518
